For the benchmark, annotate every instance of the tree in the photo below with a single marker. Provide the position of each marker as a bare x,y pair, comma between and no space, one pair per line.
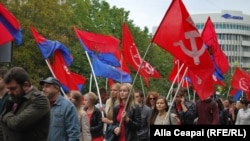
55,21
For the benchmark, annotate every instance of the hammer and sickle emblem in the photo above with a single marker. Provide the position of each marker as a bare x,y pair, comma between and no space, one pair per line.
244,84
194,53
135,55
148,68
137,60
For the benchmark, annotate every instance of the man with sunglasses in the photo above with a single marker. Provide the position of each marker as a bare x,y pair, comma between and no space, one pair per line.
26,115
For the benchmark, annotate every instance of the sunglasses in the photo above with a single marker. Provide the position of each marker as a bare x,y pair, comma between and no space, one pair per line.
152,98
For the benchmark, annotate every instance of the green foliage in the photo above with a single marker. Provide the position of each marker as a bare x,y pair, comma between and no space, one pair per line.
55,22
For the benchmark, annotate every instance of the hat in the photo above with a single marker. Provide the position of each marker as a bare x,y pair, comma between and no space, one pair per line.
50,80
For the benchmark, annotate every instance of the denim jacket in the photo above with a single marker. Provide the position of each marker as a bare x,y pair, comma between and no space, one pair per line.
64,124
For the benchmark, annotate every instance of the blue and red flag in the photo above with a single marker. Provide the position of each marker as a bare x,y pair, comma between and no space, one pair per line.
102,69
104,46
11,24
217,75
48,47
219,59
236,94
62,61
5,35
210,38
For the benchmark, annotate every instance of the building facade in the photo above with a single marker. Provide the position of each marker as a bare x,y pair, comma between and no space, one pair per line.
233,33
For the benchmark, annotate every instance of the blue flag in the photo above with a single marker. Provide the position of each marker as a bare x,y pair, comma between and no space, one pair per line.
107,71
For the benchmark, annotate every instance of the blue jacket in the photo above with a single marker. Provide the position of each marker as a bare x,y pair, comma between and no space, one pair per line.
64,123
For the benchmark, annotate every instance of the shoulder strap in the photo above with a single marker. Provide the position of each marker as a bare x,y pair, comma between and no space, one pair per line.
212,105
170,119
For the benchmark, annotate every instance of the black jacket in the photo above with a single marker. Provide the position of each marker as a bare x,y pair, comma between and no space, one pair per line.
30,121
96,124
134,124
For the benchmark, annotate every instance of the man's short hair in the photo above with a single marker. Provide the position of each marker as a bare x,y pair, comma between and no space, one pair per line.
18,74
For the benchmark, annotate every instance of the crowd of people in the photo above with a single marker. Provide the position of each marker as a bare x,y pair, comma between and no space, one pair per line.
122,114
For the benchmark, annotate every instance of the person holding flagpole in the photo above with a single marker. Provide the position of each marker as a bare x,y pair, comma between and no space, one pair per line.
109,106
127,115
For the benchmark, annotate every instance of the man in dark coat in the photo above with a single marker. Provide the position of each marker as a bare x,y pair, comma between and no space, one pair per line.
26,116
3,96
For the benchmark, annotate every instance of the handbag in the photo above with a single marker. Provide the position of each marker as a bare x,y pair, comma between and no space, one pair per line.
110,135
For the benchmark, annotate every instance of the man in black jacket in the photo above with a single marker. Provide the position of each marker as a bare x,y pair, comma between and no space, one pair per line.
26,116
3,96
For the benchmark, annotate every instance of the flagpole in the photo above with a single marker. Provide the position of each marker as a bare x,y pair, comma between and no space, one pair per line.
93,73
182,79
194,96
228,91
46,60
189,98
106,84
90,82
183,83
121,66
177,76
142,88
133,83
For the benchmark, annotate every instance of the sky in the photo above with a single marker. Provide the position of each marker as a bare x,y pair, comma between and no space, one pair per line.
149,13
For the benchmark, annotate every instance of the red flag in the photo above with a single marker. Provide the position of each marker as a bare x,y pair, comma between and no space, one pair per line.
178,66
146,81
241,80
178,35
38,38
5,36
120,57
133,57
202,82
176,77
110,82
69,79
210,38
98,42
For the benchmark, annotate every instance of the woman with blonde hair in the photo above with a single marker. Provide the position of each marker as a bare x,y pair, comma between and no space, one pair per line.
126,115
110,103
76,98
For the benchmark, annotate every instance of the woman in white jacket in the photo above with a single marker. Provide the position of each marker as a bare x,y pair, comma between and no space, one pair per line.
243,116
76,98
